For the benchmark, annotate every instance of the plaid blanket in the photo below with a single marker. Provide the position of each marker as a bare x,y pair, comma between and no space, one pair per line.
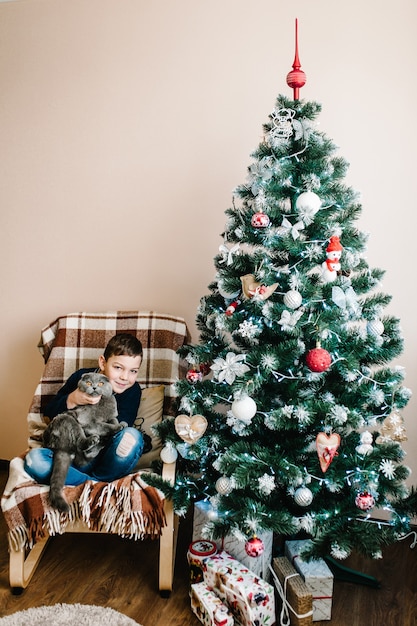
128,506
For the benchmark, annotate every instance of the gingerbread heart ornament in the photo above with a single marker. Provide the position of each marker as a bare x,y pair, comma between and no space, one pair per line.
327,446
190,429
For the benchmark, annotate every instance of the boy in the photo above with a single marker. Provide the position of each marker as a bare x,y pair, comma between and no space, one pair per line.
120,362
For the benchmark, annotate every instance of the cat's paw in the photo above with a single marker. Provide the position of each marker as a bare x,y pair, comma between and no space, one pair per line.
123,425
57,501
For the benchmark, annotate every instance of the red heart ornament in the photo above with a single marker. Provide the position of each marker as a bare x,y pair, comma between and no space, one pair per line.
327,446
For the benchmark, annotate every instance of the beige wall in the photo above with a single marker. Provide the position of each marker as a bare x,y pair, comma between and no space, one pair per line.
126,124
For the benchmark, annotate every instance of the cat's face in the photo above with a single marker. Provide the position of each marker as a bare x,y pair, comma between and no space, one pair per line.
95,384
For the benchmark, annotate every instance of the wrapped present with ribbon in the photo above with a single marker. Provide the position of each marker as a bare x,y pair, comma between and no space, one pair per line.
250,598
316,575
208,607
204,512
295,596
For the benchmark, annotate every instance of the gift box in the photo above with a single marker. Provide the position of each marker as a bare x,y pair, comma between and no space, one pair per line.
317,576
208,607
296,598
250,598
258,565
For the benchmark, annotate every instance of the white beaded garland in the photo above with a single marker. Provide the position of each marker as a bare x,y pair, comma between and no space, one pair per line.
303,496
293,299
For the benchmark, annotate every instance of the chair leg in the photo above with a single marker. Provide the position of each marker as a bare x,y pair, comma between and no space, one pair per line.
167,550
22,566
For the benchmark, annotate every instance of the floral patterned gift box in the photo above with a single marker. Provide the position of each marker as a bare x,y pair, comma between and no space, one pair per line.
208,607
250,598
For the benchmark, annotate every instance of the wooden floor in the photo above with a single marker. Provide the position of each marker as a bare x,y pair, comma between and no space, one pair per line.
122,574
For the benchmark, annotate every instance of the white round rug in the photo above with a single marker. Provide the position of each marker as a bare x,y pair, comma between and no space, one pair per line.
68,615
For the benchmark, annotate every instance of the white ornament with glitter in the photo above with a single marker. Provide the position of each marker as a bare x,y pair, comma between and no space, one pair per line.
244,409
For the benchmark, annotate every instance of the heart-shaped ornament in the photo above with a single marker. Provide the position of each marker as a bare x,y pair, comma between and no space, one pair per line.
327,446
190,429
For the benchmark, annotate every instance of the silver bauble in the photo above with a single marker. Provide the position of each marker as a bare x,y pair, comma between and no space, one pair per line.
293,299
303,496
375,328
224,485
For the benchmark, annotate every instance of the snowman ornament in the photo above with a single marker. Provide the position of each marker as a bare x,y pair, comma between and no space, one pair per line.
331,265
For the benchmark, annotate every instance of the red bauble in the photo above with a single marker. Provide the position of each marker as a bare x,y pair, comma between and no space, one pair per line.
254,547
205,368
365,501
193,376
318,360
260,220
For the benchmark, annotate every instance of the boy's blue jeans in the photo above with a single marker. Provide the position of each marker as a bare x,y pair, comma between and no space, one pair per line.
118,459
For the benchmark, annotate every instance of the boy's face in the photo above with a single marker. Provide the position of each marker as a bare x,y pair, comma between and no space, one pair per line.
121,370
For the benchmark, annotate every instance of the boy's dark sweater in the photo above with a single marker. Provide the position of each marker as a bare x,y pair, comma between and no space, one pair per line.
127,402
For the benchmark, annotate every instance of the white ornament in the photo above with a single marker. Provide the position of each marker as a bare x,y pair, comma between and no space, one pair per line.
224,485
308,201
303,496
365,446
169,453
293,299
375,328
244,409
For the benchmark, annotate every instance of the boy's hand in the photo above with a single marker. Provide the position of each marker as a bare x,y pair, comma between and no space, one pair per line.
79,398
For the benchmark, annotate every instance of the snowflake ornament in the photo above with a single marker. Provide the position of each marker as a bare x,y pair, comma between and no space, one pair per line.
266,484
248,329
387,467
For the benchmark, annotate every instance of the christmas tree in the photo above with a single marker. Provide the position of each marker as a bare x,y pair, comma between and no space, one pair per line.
290,412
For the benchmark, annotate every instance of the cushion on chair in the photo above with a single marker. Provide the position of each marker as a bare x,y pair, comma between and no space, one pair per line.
150,412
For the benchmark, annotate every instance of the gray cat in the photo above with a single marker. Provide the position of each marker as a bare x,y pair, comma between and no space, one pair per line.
79,434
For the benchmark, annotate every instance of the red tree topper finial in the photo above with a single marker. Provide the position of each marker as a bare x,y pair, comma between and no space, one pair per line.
296,78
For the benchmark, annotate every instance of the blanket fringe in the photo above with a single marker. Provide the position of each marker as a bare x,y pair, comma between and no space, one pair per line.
127,507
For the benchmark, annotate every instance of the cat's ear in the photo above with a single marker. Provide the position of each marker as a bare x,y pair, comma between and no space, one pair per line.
101,363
